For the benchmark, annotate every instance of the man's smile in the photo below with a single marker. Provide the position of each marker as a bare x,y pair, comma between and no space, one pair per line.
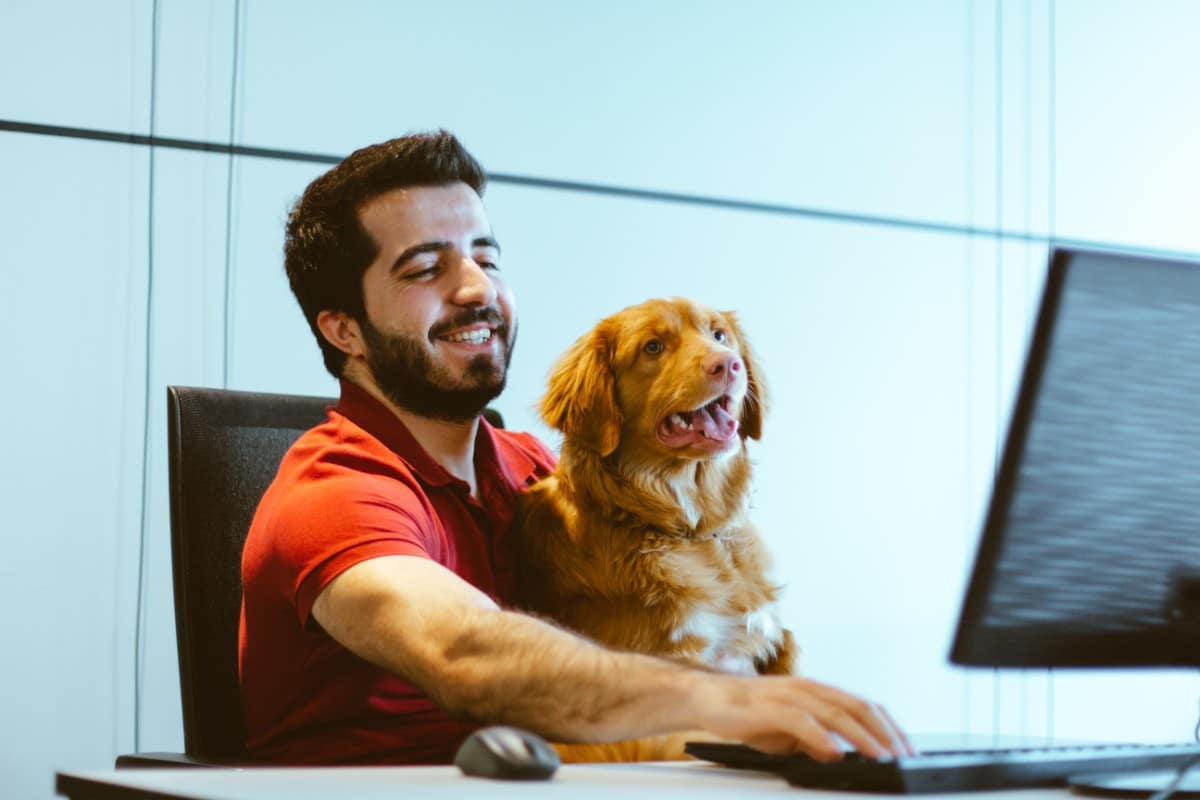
475,335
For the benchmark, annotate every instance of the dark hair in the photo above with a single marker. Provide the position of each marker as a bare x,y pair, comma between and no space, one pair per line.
325,249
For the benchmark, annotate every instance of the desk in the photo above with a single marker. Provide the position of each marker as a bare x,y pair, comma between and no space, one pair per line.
690,780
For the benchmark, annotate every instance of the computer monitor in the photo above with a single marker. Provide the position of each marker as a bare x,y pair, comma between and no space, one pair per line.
1090,554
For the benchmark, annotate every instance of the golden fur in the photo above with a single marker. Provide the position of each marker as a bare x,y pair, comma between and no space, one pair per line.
640,538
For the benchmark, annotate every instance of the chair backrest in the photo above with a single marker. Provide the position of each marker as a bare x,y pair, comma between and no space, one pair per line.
225,448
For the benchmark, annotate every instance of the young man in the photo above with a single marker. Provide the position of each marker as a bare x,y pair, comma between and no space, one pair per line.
376,569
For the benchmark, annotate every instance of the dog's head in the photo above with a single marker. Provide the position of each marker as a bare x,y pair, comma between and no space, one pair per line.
668,376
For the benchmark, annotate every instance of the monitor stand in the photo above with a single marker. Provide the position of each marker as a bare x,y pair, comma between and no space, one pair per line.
1138,784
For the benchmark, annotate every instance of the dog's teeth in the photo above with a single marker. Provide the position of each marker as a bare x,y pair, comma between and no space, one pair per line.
678,422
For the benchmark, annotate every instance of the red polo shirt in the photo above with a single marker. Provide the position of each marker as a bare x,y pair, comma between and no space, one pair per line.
356,487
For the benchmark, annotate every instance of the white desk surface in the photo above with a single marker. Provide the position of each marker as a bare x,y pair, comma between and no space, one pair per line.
627,781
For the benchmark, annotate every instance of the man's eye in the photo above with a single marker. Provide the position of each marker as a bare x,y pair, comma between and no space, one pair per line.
720,335
485,264
653,347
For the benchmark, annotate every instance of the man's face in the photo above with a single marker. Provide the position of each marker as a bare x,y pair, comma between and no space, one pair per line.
439,326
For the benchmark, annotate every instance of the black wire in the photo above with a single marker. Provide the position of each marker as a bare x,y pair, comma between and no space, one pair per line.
1051,191
1173,786
237,16
1196,730
1051,124
998,88
609,190
138,654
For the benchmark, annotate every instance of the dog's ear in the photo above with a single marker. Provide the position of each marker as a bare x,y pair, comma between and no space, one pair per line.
581,400
754,407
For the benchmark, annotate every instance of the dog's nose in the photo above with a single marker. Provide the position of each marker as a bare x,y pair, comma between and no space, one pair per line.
722,364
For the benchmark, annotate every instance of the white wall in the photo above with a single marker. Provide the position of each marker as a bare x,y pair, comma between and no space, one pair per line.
891,349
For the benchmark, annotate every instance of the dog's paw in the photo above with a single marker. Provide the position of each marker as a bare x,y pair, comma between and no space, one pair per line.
762,623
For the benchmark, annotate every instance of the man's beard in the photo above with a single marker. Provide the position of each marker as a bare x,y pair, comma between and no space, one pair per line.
404,371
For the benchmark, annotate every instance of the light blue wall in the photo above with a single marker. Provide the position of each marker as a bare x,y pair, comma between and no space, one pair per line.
890,346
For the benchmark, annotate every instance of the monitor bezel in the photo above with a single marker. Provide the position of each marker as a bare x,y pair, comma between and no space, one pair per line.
977,645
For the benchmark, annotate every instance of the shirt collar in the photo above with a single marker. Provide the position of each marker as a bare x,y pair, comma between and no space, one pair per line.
517,468
357,405
361,408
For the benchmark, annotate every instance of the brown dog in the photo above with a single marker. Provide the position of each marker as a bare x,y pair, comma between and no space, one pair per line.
640,538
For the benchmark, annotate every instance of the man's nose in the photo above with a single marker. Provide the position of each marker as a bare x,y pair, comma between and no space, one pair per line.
475,287
722,365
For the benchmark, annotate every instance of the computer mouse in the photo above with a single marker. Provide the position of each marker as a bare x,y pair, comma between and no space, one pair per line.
507,754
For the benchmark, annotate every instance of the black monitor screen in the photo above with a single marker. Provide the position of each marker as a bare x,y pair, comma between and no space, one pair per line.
1090,554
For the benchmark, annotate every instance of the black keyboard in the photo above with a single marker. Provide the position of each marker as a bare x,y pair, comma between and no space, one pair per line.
954,770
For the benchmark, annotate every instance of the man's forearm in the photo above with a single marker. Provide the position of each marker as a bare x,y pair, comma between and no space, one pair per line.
513,668
414,618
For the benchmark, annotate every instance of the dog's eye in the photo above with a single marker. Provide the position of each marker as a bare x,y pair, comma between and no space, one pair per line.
653,347
720,335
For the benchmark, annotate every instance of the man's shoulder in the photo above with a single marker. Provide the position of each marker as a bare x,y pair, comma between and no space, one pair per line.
335,462
340,440
336,487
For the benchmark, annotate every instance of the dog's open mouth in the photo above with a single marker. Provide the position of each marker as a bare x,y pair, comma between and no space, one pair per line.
708,426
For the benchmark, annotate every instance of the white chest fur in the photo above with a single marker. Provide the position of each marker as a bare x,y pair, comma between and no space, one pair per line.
733,642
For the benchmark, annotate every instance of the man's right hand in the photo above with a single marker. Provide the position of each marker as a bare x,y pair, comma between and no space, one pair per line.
781,714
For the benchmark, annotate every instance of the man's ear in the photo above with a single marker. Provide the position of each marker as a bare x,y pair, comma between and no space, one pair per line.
342,331
581,400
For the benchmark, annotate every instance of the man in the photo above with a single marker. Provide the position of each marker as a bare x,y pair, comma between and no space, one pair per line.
375,572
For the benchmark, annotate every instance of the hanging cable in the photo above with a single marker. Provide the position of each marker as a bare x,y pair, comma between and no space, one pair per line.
1181,773
140,604
227,339
1173,786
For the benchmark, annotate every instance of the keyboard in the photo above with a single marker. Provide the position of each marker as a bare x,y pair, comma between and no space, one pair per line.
954,770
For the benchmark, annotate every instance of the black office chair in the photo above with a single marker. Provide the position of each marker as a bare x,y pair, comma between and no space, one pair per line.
224,449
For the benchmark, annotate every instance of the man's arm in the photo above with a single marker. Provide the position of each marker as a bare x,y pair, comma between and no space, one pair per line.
417,619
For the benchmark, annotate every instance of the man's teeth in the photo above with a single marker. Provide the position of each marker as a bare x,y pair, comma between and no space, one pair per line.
474,337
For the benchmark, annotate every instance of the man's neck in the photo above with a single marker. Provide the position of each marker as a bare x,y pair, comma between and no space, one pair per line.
450,444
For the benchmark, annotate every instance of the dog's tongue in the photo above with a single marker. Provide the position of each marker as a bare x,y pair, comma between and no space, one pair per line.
715,422
710,428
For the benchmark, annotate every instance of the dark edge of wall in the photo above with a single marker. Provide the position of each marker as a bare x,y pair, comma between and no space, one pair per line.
827,215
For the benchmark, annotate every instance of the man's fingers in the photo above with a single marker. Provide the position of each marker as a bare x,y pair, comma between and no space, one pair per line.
885,731
786,714
866,725
898,735
845,724
805,734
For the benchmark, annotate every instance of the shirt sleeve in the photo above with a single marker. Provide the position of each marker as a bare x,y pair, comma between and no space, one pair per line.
345,521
